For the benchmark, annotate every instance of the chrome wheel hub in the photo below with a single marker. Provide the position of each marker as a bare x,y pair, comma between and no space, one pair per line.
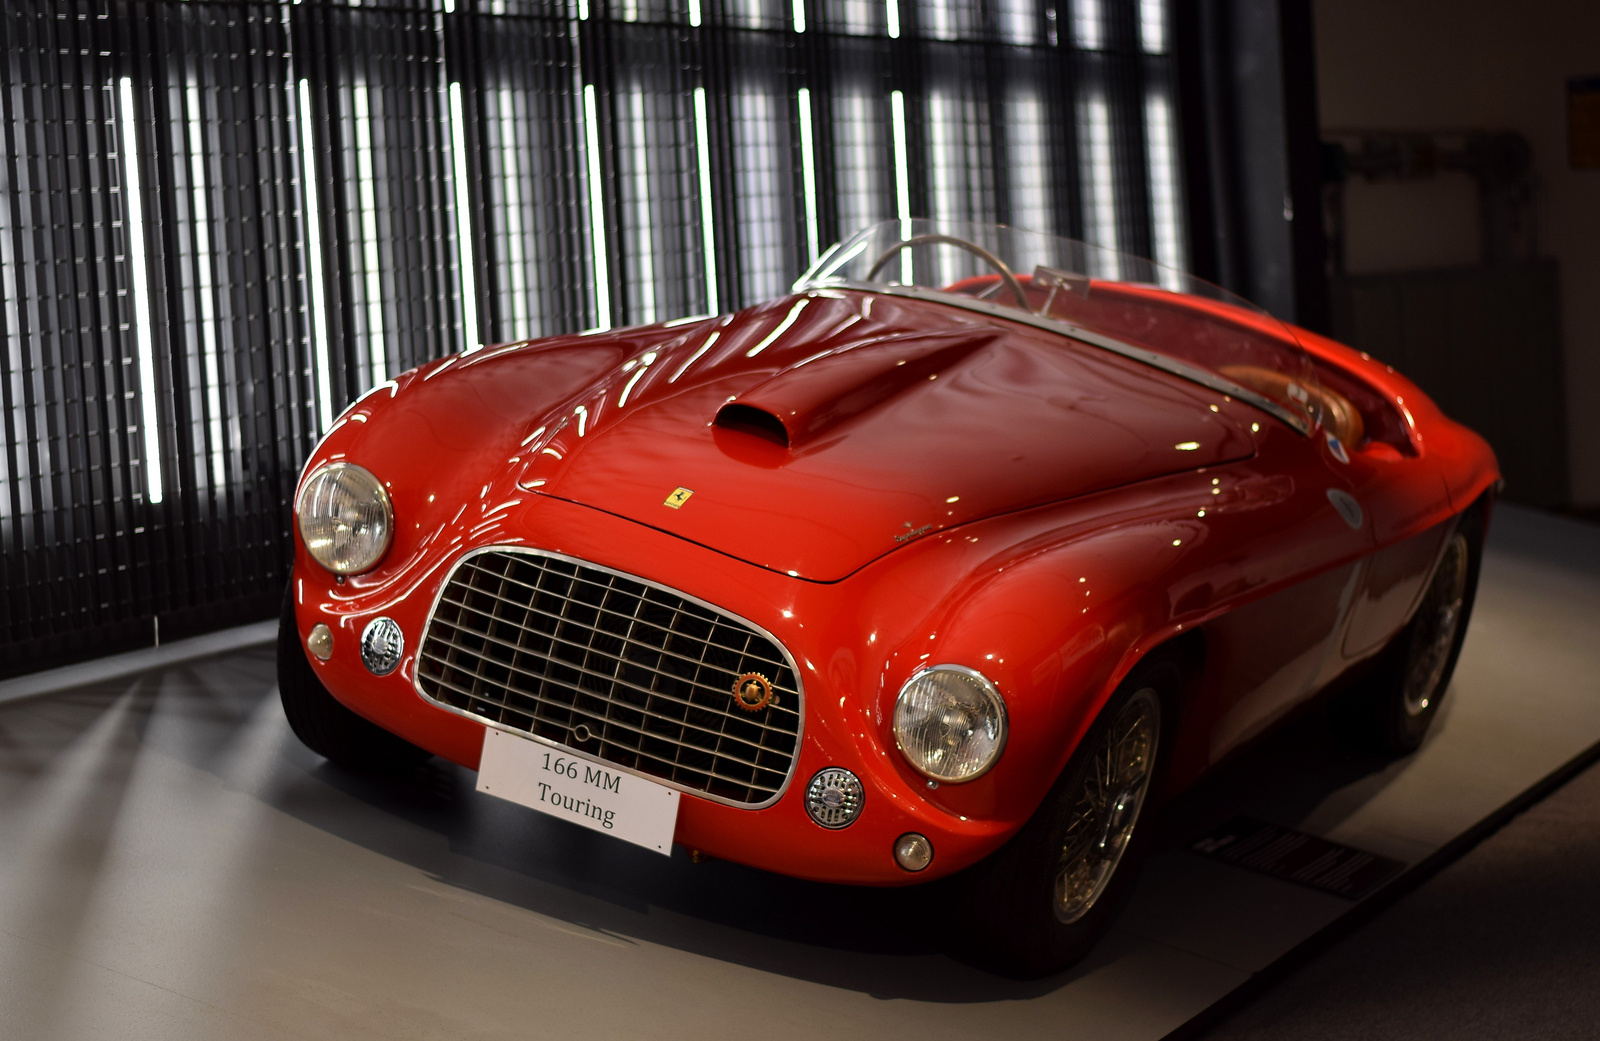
1106,808
1438,619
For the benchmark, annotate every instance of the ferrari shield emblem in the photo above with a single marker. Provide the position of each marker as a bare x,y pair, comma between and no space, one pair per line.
678,497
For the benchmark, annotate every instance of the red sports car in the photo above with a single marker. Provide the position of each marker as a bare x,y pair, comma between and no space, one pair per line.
947,564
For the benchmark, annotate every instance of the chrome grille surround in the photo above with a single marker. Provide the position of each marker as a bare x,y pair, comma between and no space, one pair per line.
614,667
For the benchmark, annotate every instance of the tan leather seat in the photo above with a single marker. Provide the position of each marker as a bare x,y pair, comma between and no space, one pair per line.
1339,416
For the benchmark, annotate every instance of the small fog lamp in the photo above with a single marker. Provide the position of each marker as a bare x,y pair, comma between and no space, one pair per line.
912,851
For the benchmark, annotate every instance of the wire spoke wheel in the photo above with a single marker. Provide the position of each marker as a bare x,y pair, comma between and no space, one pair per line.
1438,619
1107,806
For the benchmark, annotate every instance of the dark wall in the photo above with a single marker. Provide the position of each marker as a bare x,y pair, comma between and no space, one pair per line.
1485,344
1253,147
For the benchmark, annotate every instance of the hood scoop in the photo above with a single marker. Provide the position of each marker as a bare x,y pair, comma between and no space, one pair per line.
754,421
799,403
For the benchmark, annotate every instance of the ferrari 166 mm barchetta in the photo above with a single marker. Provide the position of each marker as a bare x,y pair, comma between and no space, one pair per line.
948,564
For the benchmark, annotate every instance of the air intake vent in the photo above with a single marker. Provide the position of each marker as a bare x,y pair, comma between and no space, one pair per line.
757,422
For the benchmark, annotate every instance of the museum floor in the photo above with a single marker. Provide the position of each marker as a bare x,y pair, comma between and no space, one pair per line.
1500,944
173,865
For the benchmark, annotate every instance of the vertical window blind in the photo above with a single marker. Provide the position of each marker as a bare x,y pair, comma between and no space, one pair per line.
221,222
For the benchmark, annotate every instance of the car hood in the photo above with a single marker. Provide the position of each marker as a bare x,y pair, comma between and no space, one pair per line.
815,433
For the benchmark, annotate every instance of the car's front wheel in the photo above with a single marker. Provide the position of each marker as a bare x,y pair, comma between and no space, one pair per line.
1040,902
321,723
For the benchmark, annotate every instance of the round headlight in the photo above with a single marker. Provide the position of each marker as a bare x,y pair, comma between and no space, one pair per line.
345,518
950,723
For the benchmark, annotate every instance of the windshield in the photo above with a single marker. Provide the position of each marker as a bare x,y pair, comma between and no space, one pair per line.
1123,303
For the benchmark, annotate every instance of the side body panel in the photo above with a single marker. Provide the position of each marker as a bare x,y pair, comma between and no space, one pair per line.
1394,582
1268,656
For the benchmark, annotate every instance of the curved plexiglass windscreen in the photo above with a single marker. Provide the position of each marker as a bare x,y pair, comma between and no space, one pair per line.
1098,295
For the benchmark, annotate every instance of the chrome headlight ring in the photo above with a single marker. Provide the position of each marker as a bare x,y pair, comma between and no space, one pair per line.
950,723
345,518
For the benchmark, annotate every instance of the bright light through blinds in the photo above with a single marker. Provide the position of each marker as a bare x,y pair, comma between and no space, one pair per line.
134,216
1153,26
858,158
799,16
1027,155
469,277
945,185
902,180
313,252
12,482
1099,184
366,190
516,261
597,213
1163,185
1086,24
644,240
708,231
808,175
892,13
205,289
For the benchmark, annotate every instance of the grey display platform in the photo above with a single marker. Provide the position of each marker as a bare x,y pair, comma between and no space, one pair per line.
174,865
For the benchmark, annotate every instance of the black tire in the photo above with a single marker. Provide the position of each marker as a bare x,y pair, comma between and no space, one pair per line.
1040,902
1392,709
322,723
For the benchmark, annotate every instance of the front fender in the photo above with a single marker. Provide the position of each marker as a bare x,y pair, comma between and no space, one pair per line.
1070,599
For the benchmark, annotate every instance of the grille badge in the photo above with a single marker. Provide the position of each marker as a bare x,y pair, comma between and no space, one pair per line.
752,691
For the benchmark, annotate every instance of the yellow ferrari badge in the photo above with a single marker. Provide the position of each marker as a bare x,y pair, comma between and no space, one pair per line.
678,497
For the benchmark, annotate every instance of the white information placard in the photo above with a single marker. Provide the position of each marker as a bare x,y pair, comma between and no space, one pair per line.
574,788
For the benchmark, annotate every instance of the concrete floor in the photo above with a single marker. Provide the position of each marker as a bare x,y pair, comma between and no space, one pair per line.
173,864
1500,945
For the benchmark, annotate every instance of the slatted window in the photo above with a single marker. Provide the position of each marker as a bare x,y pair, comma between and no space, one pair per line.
222,221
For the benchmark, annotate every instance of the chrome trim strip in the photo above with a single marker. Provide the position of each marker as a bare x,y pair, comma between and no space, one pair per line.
1181,369
799,682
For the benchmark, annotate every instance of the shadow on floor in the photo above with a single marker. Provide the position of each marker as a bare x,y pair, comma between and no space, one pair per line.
884,942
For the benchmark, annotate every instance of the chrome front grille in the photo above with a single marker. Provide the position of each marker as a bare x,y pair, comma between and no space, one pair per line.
615,667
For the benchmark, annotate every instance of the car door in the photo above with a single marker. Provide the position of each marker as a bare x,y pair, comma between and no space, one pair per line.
1310,546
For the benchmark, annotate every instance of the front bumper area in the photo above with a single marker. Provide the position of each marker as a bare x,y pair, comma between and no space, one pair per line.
804,617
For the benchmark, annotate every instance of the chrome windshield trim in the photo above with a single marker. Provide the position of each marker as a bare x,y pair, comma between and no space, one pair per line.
1155,359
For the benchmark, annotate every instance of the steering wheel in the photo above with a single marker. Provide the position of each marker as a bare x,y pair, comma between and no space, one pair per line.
976,250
